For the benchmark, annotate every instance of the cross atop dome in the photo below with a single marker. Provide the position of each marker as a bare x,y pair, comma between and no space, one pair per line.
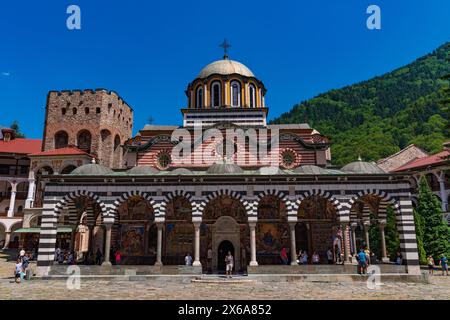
225,45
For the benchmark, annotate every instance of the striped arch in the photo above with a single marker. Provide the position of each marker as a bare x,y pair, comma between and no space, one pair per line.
275,193
225,192
385,198
67,200
324,194
172,195
124,197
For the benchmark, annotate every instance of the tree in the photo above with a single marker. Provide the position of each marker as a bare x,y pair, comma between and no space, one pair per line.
374,236
436,233
391,233
15,127
419,222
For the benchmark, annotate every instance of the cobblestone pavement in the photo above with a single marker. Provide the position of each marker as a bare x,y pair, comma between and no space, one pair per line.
105,289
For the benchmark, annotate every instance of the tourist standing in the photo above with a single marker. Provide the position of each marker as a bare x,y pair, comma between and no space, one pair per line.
444,264
61,257
57,253
367,253
430,263
330,256
398,259
304,257
283,256
229,261
18,271
315,258
22,254
188,259
70,258
362,259
118,257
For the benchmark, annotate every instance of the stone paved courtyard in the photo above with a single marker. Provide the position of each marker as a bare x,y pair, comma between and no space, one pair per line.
104,289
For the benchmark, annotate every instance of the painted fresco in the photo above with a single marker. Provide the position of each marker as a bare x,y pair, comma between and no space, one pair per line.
225,206
136,208
131,241
271,237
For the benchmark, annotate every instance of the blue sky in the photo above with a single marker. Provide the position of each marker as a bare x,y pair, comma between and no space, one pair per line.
148,51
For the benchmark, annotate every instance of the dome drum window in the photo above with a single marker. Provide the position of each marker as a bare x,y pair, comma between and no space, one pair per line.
216,94
235,94
252,96
199,98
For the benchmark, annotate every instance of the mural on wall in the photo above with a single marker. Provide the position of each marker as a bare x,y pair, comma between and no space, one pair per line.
271,237
134,214
225,206
131,241
179,229
272,230
136,208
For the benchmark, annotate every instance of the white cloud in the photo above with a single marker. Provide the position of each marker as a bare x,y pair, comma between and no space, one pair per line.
6,74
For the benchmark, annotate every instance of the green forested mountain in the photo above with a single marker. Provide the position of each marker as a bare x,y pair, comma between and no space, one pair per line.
380,116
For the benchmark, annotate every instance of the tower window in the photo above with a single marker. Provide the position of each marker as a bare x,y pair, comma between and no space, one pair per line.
252,96
86,110
63,111
199,103
216,94
61,140
74,110
98,110
235,94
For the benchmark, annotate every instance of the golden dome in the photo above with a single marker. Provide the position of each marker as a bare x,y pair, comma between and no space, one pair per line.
225,67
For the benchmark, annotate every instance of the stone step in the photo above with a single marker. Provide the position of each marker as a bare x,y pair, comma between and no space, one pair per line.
223,279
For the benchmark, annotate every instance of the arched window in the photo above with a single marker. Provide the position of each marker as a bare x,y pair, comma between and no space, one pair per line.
63,111
84,141
252,95
86,110
68,169
61,139
235,94
199,98
116,142
216,94
74,110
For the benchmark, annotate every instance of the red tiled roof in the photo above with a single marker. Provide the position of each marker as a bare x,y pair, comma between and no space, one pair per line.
68,151
20,146
435,159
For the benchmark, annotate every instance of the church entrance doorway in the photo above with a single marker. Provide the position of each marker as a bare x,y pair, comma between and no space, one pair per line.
224,247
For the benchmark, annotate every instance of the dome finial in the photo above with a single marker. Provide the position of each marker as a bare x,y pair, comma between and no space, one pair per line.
359,158
93,161
225,45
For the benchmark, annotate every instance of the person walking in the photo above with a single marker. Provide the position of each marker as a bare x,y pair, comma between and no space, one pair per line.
430,263
443,262
188,259
229,261
284,256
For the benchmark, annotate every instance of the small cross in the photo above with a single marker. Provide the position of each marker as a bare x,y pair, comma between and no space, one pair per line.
225,45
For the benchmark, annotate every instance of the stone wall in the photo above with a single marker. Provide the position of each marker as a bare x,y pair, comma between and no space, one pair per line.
103,115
